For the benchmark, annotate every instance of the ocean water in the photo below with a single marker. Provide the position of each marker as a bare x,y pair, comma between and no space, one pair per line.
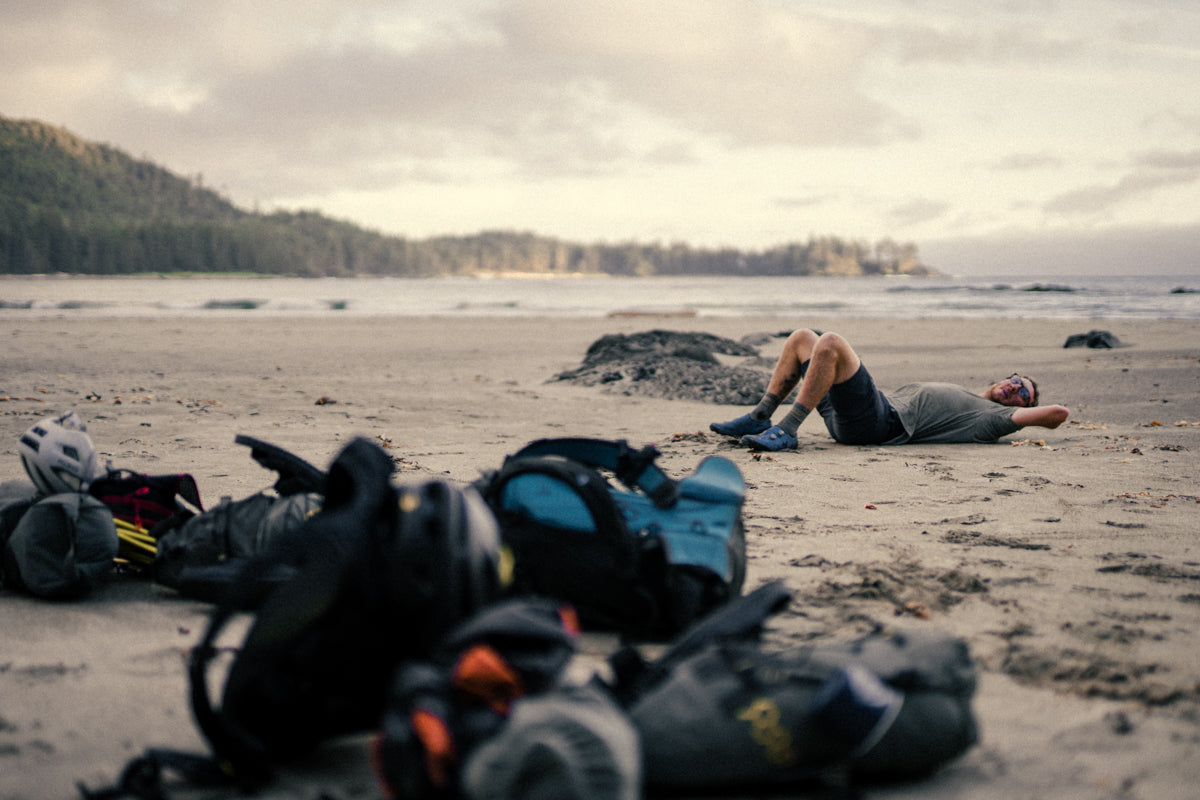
1174,297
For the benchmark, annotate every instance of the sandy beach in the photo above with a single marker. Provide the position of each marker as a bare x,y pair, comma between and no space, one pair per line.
1067,558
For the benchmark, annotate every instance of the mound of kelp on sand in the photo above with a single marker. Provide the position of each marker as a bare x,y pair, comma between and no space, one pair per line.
677,365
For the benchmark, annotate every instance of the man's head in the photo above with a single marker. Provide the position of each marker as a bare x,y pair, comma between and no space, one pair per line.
1015,390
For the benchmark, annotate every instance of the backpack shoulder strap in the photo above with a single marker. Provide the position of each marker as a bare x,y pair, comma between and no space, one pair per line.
296,475
740,620
634,468
240,755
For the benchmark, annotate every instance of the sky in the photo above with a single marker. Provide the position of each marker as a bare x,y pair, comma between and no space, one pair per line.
1017,136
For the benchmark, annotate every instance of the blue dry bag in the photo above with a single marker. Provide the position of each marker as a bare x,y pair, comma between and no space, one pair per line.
598,524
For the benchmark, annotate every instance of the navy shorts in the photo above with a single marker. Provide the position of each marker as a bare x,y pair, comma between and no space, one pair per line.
856,412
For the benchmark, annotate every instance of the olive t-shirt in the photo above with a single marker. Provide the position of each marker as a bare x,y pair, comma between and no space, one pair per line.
946,413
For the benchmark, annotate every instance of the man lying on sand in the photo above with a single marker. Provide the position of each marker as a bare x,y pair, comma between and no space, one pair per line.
834,381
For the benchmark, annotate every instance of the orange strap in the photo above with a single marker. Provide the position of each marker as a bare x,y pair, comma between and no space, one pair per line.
484,674
438,743
570,620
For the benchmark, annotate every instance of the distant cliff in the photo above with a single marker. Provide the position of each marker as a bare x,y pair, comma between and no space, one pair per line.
71,206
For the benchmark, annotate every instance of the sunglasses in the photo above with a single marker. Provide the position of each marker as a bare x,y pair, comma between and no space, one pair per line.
1022,389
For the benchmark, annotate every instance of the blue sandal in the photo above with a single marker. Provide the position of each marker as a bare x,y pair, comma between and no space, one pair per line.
774,439
741,426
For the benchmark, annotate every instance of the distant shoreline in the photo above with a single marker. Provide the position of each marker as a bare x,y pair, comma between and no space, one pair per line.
477,275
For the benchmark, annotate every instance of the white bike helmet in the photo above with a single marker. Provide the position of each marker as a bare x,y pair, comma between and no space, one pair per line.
58,455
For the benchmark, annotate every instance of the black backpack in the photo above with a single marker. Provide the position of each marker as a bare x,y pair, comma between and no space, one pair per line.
382,573
640,553
375,578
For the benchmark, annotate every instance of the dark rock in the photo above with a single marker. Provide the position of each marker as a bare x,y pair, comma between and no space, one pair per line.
1119,722
1047,287
695,353
1093,338
621,347
671,364
238,305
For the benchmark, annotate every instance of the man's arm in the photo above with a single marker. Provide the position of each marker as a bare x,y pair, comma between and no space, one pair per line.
1041,416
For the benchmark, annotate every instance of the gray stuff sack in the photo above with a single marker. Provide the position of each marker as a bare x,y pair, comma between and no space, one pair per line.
891,705
16,497
201,556
62,547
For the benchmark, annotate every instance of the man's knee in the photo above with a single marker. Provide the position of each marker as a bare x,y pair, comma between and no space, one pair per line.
806,343
831,343
800,343
835,351
803,336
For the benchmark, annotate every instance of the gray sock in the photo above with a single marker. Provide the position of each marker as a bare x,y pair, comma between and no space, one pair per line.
766,407
791,423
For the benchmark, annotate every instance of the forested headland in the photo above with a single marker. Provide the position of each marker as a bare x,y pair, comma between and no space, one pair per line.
77,207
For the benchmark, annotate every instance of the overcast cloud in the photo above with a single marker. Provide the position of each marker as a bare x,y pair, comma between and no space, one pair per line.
716,122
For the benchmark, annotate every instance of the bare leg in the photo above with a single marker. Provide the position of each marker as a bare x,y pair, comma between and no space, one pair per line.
796,350
831,360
